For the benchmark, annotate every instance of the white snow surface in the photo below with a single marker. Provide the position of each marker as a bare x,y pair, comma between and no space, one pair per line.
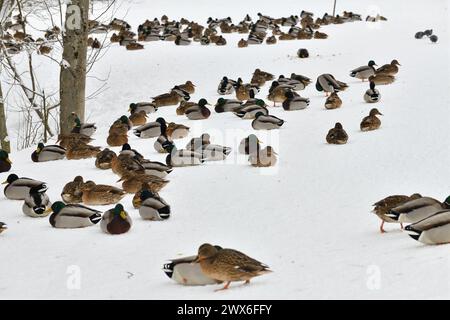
309,218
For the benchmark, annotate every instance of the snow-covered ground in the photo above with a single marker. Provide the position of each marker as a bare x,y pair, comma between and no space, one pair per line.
309,218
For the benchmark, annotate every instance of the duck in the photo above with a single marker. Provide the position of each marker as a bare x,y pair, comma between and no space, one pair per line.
382,207
37,203
169,99
221,41
198,111
137,196
132,182
188,86
226,86
242,43
364,72
3,227
266,157
417,209
228,265
327,83
180,41
184,105
266,122
148,107
151,129
337,135
72,216
71,192
19,188
81,151
87,129
432,230
5,162
182,158
116,221
303,53
177,131
104,159
333,101
382,79
249,145
121,126
277,93
390,69
158,145
132,46
213,152
227,105
372,95
303,79
199,142
371,122
116,140
295,85
153,207
138,118
125,164
294,102
187,272
48,153
155,168
320,35
268,76
99,194
251,108
65,140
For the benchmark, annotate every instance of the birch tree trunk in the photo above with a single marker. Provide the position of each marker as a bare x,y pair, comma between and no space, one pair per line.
4,139
73,67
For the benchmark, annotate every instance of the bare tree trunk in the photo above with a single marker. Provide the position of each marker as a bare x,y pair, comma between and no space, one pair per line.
3,129
73,68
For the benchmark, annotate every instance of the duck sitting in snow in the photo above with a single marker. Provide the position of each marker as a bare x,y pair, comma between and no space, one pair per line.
81,151
132,182
71,192
87,129
148,107
176,131
37,203
294,102
151,129
371,122
382,79
372,95
249,145
72,216
182,158
19,188
227,105
263,122
171,99
198,111
5,162
48,153
3,227
138,118
333,101
99,194
337,135
266,157
104,159
153,207
116,221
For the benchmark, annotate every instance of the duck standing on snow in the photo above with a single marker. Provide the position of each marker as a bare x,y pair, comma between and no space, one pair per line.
390,69
87,129
198,111
371,122
372,95
382,207
294,102
99,194
19,188
228,265
337,135
71,192
48,153
37,203
432,230
263,122
153,207
266,157
116,221
327,83
151,129
364,72
5,163
333,101
72,216
418,209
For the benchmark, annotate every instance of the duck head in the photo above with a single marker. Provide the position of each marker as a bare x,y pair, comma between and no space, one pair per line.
202,102
78,179
11,178
447,202
133,107
57,206
371,63
375,112
260,103
126,147
206,251
338,126
220,102
119,211
40,147
395,62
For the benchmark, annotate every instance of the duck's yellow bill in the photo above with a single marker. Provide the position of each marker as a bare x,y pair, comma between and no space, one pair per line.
9,161
4,182
123,214
48,210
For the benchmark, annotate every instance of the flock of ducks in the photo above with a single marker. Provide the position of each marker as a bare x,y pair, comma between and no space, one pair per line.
429,219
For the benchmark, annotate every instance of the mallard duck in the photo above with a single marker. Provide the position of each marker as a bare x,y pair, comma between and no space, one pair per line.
268,76
333,101
221,41
180,41
78,151
188,86
364,72
153,207
125,164
390,69
250,109
266,157
249,145
371,122
337,135
382,79
184,105
187,272
263,122
137,196
302,53
227,105
64,140
116,221
372,95
37,203
148,107
48,153
433,38
242,43
132,182
327,83
3,227
277,93
182,158
177,131
99,194
294,102
138,118
87,129
19,188
71,216
104,159
228,265
198,111
213,152
303,79
242,93
258,80
432,230
320,35
151,129
418,209
132,46
120,126
155,168
5,162
71,192
293,84
158,145
169,99
116,140
226,86
382,207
